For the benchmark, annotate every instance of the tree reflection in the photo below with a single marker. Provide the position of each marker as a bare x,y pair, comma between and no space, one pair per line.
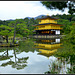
26,46
67,51
59,66
65,54
5,55
18,63
66,63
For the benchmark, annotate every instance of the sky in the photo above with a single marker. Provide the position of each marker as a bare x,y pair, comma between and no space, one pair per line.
22,9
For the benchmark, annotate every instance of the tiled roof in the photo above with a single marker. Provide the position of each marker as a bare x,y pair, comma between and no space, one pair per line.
46,24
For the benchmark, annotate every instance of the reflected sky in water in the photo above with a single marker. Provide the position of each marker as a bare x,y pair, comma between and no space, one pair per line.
35,63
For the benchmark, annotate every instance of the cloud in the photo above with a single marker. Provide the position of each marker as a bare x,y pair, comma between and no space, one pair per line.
22,9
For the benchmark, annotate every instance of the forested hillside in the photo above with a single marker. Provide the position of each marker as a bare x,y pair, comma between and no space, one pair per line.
24,28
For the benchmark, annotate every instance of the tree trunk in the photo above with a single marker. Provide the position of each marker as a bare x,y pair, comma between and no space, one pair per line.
14,33
7,52
13,39
6,39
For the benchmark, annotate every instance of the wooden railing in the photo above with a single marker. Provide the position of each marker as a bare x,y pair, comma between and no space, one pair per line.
46,36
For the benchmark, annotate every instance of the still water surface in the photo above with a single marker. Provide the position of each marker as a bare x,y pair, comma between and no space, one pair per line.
34,57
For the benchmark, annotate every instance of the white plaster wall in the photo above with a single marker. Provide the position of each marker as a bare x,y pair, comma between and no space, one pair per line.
57,32
57,40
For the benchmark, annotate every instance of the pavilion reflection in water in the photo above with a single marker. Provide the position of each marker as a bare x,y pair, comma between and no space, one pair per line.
47,47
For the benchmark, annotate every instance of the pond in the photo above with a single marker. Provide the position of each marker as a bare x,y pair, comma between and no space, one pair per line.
38,56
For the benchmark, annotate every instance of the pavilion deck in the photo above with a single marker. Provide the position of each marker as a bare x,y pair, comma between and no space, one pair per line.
46,36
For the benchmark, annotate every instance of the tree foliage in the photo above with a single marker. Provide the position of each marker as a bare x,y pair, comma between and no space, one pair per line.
24,28
60,5
6,31
73,19
66,25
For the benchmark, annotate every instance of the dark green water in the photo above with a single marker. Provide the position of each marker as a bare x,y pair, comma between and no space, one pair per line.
28,59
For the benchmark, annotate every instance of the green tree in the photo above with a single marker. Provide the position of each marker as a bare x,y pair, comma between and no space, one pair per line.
73,19
68,45
30,22
66,25
60,5
22,29
4,22
6,31
13,25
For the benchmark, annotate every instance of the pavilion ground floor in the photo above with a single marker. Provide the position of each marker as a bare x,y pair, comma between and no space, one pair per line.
46,36
47,32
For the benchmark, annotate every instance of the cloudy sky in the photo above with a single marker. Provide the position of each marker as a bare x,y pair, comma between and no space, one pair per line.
22,9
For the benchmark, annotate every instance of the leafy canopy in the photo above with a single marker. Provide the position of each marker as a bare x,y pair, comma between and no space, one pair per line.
6,30
60,5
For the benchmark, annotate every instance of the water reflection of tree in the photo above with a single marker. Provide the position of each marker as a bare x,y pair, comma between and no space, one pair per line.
59,66
5,55
68,53
27,46
19,63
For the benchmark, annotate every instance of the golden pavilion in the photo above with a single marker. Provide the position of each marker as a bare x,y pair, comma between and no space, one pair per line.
47,27
47,47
